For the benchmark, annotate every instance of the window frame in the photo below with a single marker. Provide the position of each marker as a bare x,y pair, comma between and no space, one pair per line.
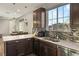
57,13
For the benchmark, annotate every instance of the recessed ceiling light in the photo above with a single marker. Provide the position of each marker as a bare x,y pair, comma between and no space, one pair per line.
18,10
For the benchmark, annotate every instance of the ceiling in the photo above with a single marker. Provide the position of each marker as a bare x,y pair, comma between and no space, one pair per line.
15,10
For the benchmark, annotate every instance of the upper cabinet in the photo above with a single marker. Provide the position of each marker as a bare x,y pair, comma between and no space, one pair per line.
39,18
74,13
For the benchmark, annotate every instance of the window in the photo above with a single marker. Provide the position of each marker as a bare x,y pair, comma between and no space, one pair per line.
12,26
21,26
59,15
52,16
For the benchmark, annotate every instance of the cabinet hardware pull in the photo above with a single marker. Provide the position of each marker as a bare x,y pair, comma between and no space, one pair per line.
17,41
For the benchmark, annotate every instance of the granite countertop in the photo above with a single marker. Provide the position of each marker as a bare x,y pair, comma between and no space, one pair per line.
9,38
64,43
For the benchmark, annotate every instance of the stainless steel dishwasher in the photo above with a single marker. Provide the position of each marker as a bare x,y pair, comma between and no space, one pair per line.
72,52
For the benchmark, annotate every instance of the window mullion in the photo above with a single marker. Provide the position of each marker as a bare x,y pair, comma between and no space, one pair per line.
57,15
52,17
63,14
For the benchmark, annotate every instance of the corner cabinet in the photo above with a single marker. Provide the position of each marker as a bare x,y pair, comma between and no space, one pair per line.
74,15
36,46
39,18
48,49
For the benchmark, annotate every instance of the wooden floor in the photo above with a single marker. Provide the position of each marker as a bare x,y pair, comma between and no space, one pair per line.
1,47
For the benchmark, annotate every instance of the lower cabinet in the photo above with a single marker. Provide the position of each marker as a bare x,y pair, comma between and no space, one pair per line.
62,51
10,48
36,46
18,47
43,49
47,49
29,46
39,47
52,51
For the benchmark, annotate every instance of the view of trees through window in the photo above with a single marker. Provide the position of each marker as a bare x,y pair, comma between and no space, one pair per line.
59,18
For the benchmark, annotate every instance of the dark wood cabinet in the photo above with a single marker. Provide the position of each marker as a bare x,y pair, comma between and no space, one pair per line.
36,46
52,51
39,18
10,48
43,49
39,47
29,46
18,47
47,49
74,15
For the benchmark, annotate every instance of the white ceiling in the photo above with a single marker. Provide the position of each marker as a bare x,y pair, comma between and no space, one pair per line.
13,11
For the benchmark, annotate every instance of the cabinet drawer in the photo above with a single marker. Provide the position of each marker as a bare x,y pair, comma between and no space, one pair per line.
15,41
10,42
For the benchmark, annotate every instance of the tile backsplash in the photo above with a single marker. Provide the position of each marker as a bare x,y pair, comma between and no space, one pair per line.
61,35
72,36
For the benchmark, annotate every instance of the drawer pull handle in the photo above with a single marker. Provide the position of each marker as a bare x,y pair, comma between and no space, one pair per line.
16,41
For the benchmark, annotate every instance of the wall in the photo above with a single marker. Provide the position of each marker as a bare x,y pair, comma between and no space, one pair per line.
4,26
29,19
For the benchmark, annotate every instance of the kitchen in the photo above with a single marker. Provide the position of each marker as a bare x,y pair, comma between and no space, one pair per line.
39,29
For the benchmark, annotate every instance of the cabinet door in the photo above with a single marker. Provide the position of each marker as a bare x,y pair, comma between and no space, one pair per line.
34,20
43,50
74,15
38,17
52,50
10,48
36,46
29,45
20,47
